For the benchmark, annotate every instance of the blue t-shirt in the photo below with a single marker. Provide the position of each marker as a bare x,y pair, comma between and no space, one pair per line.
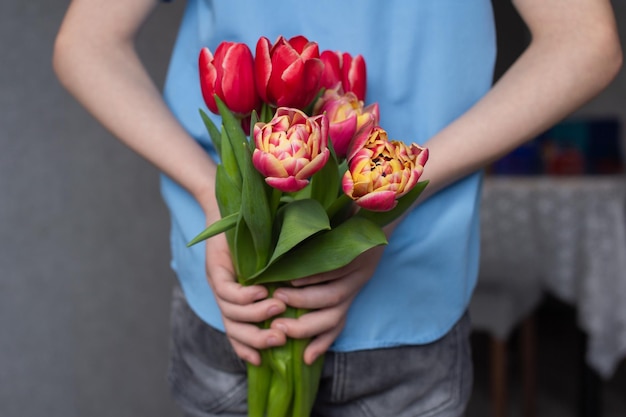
428,61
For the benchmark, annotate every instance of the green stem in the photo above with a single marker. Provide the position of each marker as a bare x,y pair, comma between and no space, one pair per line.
274,201
267,112
281,388
259,378
339,208
306,377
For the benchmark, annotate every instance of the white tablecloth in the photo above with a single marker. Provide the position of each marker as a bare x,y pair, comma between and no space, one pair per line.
570,234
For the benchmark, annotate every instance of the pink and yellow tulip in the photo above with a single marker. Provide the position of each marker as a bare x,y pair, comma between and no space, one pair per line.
288,73
229,75
290,148
348,119
382,171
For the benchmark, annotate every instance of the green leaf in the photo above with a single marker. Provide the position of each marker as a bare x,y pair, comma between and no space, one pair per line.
234,132
244,256
227,193
256,211
220,226
302,194
228,199
214,133
383,218
324,252
254,118
299,220
340,209
229,162
325,183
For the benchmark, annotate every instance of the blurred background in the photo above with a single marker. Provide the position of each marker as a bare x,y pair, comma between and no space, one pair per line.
85,285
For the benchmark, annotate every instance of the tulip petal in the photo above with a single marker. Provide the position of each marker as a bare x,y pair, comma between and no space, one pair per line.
347,184
374,110
378,201
331,76
238,87
267,164
315,165
354,75
299,43
288,185
310,51
422,157
360,138
311,79
341,134
262,66
284,84
208,76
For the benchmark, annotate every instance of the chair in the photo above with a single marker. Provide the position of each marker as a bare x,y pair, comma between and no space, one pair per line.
498,309
507,293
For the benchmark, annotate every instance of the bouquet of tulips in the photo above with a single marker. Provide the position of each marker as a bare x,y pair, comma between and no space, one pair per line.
306,181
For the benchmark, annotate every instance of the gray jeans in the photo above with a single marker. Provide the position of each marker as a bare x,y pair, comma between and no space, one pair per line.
207,379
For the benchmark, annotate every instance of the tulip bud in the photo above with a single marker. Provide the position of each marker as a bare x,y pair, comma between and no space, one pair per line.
290,148
229,75
344,70
288,73
383,171
347,119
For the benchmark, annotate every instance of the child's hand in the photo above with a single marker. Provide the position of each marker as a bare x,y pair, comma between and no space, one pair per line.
329,295
241,307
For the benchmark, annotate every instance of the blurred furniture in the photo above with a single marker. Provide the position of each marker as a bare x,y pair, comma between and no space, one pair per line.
573,240
503,301
498,309
567,235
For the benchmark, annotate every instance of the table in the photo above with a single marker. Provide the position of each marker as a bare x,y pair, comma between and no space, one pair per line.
569,233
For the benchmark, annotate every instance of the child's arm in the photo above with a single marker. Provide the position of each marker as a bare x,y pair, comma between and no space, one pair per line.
95,59
573,55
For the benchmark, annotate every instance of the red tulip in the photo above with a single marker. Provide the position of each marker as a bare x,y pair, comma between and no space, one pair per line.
229,75
288,73
343,69
290,148
383,171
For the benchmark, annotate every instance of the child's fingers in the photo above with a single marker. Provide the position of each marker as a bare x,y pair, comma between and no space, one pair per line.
247,339
320,345
252,313
311,324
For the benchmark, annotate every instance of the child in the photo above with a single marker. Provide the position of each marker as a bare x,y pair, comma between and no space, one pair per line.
395,318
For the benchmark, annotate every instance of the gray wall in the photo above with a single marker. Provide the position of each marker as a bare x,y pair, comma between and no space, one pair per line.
84,261
85,282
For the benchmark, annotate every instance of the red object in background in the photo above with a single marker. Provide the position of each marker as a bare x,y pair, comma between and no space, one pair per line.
567,161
